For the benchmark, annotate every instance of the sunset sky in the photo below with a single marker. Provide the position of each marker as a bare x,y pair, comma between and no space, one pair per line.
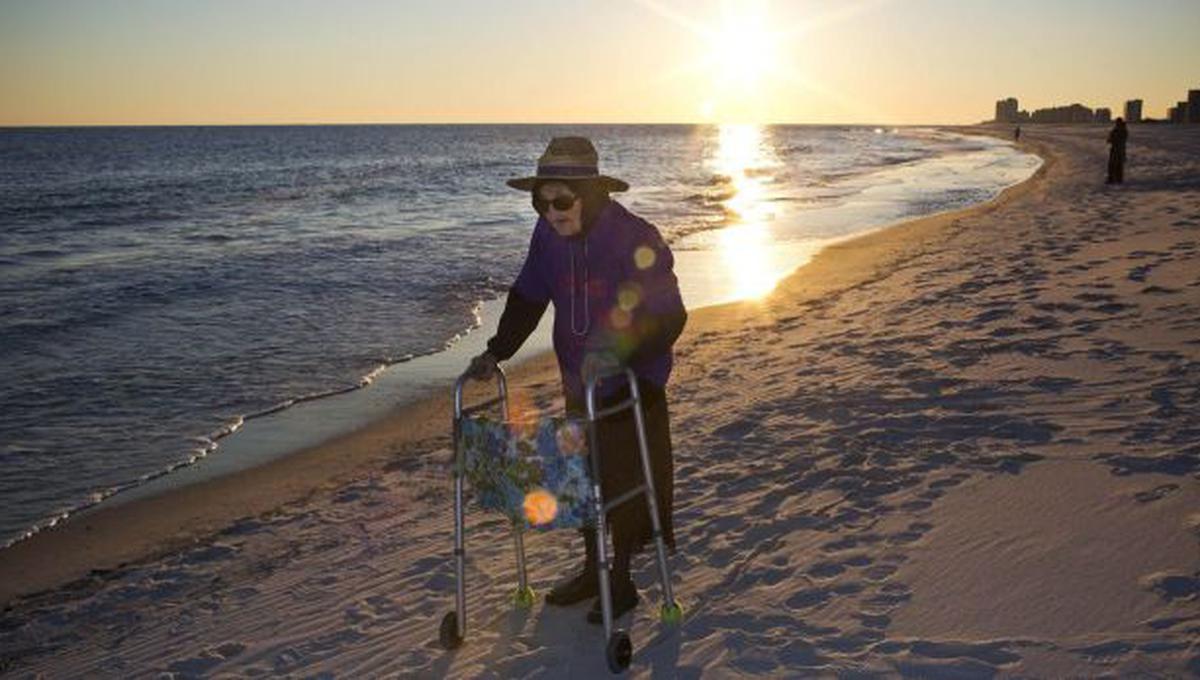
68,62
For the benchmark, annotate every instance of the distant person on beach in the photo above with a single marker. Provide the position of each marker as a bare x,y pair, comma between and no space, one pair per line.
1017,134
1116,152
616,303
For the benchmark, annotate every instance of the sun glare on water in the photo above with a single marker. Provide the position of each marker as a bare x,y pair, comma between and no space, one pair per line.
745,245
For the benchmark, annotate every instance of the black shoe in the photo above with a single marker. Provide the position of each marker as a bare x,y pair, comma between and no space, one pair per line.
577,589
624,599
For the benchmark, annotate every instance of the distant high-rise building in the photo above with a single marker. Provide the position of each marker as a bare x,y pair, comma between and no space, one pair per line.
1075,113
1103,115
1133,111
1193,112
1006,110
1081,114
1178,113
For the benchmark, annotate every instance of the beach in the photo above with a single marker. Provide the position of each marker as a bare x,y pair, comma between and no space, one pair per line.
962,446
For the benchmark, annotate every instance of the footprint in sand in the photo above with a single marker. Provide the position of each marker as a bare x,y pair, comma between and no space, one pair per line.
854,642
1156,493
840,544
1105,652
914,533
201,665
858,561
1169,622
808,598
1168,464
1159,290
992,315
824,570
1095,297
879,572
1172,587
892,595
1139,273
1192,524
874,621
736,430
949,482
918,505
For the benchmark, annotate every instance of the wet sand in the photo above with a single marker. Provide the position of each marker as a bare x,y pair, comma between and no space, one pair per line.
965,445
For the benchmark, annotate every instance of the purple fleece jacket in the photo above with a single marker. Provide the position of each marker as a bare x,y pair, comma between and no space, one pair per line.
613,289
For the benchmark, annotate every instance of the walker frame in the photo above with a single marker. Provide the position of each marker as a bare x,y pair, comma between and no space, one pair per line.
619,649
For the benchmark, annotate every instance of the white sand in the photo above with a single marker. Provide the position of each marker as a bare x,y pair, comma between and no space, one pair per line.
965,446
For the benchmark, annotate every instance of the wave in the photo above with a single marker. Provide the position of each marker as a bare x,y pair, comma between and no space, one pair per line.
209,443
210,238
42,254
796,149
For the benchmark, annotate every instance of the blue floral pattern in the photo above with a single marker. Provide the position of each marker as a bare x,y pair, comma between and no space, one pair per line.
506,462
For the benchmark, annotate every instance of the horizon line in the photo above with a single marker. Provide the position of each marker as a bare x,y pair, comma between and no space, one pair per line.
46,126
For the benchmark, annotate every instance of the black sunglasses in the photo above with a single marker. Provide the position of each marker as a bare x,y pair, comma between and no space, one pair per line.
561,203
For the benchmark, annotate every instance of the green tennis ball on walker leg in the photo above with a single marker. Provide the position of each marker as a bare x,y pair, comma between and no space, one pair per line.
672,614
523,598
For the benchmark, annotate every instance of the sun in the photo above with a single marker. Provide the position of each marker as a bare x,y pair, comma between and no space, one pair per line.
745,68
743,46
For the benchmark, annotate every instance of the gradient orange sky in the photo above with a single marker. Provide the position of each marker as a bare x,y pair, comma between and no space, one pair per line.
87,62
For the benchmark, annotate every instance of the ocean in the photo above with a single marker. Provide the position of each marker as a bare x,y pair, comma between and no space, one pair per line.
160,287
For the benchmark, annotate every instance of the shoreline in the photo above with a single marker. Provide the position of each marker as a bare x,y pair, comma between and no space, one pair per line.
290,422
102,538
710,272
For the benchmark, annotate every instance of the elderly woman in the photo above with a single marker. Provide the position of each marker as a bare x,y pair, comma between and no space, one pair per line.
616,303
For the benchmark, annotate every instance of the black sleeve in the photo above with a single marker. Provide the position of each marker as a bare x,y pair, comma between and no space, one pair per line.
519,319
659,333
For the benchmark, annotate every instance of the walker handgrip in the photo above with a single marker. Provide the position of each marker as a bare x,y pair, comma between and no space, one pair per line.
594,380
502,386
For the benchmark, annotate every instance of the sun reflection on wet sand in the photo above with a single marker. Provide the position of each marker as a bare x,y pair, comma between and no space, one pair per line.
745,245
744,252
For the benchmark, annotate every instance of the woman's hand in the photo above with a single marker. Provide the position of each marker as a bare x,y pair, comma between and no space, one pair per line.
482,367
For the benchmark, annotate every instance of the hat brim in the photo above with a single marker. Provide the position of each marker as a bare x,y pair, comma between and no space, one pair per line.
610,184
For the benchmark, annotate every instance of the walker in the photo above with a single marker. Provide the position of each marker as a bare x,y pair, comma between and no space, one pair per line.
514,474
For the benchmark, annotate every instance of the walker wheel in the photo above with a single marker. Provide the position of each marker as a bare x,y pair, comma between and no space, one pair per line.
619,651
672,614
448,634
523,598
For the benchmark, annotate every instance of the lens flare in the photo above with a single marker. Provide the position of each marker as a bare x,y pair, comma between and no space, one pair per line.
523,414
644,257
629,296
620,319
570,438
540,507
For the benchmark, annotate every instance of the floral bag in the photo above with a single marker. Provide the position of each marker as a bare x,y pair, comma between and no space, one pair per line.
534,473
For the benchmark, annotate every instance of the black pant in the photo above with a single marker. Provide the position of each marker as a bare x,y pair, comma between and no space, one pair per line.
621,466
1116,166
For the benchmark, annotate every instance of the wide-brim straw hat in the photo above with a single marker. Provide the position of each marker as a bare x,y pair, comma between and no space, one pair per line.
569,159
